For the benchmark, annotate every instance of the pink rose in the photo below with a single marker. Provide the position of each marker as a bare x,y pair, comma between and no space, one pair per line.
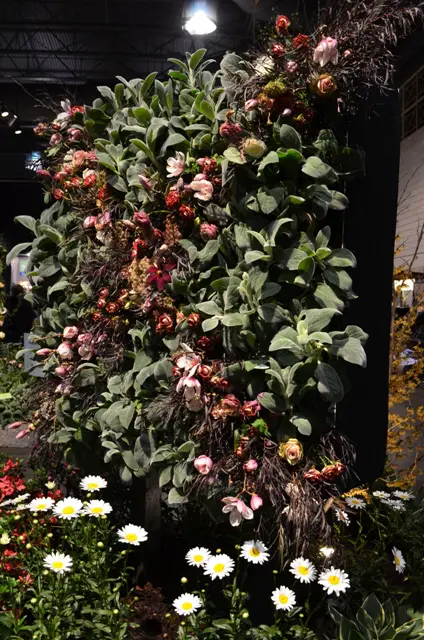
203,188
79,158
291,66
70,332
84,338
208,231
43,352
251,104
43,173
326,52
74,134
65,351
256,502
250,466
56,139
86,352
62,371
175,166
89,222
203,464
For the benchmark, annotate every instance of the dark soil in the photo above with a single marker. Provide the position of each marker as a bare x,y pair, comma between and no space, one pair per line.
150,620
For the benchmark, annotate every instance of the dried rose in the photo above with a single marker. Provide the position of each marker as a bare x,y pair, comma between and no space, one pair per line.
102,193
251,408
254,148
65,351
204,371
204,343
103,293
203,464
58,194
300,41
74,134
101,303
291,451
207,164
282,23
164,323
332,471
79,158
228,406
233,131
313,475
56,139
90,177
278,50
111,307
43,173
86,352
96,316
325,85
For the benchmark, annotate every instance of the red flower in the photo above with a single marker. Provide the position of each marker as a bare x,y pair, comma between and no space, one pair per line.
160,277
172,200
313,475
164,323
90,178
101,303
193,320
142,219
208,164
111,307
186,213
77,109
76,181
251,408
300,41
278,50
204,371
103,293
138,246
282,24
97,316
102,193
58,194
27,580
204,343
8,553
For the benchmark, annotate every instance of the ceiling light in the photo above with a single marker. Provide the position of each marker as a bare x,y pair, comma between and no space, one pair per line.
11,120
200,18
4,114
18,132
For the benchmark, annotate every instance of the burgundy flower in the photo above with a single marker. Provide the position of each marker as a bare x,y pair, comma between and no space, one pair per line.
278,50
111,307
101,303
90,177
139,246
208,231
282,23
204,371
142,219
75,182
102,193
172,200
103,293
186,213
159,277
332,471
97,316
59,176
204,343
193,320
164,323
208,164
157,234
228,406
300,41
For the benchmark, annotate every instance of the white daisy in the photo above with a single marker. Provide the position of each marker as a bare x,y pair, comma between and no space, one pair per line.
22,507
68,508
334,581
355,503
403,495
255,552
303,570
283,598
342,516
97,508
397,505
381,494
93,483
58,562
398,560
187,604
40,504
17,500
219,566
131,534
198,556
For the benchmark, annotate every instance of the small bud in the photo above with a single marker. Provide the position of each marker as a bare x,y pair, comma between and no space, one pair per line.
100,545
28,546
50,535
33,600
17,517
45,572
237,547
245,615
115,612
275,572
184,580
219,551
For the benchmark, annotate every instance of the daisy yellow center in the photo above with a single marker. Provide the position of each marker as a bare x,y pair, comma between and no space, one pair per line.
131,537
198,558
97,510
41,506
255,552
397,560
57,564
93,485
303,570
187,606
219,568
334,580
283,598
67,511
355,501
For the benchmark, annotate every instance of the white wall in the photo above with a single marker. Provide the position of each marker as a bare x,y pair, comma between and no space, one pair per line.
411,199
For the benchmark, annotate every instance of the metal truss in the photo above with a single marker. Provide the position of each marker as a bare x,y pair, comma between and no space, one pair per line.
71,42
